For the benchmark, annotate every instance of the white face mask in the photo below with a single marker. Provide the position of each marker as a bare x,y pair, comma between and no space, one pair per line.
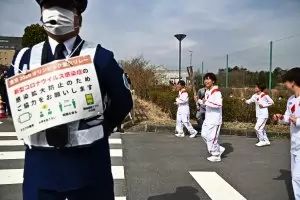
58,21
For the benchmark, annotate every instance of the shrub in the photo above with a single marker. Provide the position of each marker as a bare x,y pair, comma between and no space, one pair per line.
234,109
142,75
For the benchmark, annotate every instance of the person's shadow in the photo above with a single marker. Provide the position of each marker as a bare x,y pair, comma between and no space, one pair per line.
228,149
188,193
286,176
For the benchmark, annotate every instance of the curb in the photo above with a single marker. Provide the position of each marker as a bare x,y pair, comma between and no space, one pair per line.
224,131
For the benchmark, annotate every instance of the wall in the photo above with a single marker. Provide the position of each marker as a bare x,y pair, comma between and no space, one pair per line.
6,57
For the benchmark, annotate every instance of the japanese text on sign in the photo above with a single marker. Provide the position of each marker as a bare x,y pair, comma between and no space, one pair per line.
56,93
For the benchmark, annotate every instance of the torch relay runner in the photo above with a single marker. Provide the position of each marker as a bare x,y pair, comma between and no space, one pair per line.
292,117
262,102
183,112
213,117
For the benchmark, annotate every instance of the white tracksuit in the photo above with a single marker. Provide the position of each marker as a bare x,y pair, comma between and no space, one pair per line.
262,114
183,113
293,109
213,120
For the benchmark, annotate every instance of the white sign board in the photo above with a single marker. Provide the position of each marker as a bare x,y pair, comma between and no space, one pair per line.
56,93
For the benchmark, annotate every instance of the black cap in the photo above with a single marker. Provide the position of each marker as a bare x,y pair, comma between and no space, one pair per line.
82,4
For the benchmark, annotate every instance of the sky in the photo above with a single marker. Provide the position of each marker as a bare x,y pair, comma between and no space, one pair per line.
214,28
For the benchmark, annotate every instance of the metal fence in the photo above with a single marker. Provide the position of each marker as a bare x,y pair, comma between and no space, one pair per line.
264,63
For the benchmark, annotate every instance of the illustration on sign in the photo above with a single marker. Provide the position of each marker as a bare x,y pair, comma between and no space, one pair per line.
45,107
73,103
66,104
89,99
25,117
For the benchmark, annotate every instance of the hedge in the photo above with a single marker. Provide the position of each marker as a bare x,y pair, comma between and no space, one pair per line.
234,109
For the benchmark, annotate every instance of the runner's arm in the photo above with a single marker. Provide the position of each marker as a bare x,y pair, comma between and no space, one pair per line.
269,101
251,100
182,99
285,118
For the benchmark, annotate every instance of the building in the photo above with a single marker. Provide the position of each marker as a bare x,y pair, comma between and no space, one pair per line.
8,47
165,75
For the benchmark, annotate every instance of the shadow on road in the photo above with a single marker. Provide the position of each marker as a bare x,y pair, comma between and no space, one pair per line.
188,193
285,175
228,149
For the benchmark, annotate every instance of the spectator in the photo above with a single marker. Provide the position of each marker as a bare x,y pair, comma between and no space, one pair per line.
3,91
200,115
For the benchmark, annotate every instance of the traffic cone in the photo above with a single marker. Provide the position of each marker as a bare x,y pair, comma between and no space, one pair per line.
2,111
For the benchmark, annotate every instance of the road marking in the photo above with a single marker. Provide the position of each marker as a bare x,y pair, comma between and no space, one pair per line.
15,176
118,172
216,187
11,176
11,155
8,134
11,143
120,198
115,141
116,153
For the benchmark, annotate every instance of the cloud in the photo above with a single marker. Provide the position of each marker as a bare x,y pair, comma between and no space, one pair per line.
214,28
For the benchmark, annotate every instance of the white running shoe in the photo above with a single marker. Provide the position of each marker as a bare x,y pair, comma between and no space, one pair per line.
193,135
261,144
214,158
267,143
179,135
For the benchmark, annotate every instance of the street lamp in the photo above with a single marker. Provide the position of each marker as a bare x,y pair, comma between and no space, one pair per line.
191,57
180,37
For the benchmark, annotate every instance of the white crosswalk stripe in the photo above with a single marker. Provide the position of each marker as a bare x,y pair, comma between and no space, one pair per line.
14,175
216,187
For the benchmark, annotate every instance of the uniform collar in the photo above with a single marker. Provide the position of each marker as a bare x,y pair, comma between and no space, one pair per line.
215,87
68,44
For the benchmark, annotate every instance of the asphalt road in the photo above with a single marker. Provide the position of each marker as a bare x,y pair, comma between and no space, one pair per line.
159,166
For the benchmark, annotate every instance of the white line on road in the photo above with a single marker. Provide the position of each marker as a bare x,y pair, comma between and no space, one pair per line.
8,134
216,187
11,155
11,143
15,176
116,153
115,141
120,198
11,176
118,172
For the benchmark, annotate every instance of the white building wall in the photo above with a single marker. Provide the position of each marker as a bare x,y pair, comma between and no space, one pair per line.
165,75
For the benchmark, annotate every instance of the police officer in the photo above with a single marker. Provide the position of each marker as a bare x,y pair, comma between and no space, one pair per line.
200,115
55,167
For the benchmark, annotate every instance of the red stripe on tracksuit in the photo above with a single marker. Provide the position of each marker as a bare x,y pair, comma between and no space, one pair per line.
215,137
214,103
